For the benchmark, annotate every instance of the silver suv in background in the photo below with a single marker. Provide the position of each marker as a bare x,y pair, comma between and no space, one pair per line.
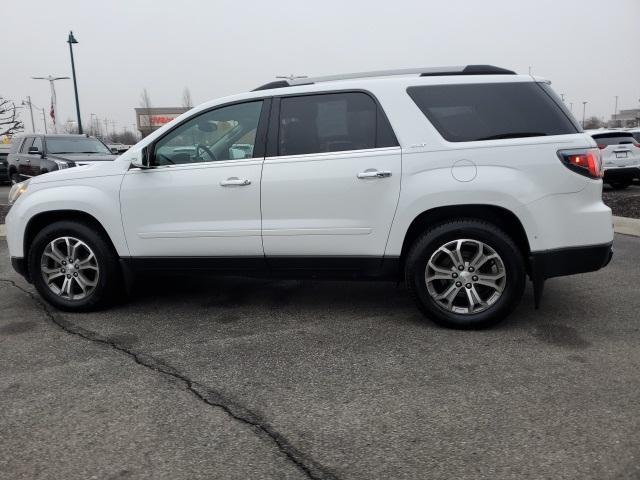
620,156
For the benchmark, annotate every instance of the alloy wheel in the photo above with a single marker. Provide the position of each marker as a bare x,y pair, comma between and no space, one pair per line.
69,268
465,276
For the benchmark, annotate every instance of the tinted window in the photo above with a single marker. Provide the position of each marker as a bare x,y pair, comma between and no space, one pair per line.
613,138
228,133
327,123
37,143
636,135
464,113
76,145
27,143
16,144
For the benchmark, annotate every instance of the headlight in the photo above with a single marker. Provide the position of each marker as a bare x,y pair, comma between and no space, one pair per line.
17,190
61,164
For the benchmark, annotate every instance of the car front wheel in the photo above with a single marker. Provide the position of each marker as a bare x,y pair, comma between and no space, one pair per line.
465,274
73,267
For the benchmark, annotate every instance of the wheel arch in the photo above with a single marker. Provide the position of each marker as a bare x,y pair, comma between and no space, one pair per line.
498,216
42,219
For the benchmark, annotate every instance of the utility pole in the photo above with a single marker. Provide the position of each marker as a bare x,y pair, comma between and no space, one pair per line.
28,102
71,40
562,96
584,109
44,120
615,110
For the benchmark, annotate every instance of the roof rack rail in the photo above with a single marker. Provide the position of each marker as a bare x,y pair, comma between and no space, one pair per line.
422,72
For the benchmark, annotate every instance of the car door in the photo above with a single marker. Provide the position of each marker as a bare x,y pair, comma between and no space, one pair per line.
201,198
24,159
330,182
35,159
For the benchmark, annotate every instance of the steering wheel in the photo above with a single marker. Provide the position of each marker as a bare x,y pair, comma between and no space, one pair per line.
207,150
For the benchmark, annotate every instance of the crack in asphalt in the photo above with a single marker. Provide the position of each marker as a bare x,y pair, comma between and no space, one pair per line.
308,466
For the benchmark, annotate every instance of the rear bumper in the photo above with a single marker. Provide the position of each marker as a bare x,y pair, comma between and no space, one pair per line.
621,173
570,261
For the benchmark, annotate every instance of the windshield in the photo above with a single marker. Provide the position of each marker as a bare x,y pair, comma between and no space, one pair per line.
76,145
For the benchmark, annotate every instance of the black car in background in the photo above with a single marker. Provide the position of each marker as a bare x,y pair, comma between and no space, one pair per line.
33,154
4,153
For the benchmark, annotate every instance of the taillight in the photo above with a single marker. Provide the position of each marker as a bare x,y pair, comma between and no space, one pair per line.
636,144
587,162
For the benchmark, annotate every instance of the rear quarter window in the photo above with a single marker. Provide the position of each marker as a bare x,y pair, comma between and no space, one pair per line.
490,111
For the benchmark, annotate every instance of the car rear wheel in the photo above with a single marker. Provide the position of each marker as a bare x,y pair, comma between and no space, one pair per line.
465,274
73,267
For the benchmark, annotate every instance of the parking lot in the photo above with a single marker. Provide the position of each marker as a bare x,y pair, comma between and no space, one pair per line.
236,378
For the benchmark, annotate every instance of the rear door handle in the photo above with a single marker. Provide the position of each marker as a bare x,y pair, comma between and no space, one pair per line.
374,174
235,181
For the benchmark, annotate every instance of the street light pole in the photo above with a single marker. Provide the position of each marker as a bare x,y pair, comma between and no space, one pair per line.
71,40
584,109
615,110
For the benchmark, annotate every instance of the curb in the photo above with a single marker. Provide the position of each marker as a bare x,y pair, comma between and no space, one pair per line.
624,225
627,226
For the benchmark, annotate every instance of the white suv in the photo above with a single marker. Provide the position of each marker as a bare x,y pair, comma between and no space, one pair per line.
461,181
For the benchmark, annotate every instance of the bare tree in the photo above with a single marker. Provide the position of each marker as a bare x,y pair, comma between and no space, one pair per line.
70,126
592,123
187,102
9,123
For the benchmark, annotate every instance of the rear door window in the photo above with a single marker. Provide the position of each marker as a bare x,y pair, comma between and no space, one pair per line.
331,122
491,111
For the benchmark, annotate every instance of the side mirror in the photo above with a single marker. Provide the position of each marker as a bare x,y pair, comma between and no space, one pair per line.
114,150
141,161
34,151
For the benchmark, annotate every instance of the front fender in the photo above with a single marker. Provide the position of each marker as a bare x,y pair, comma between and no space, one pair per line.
101,201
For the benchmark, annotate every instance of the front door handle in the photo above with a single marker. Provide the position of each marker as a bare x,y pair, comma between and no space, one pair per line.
374,174
235,182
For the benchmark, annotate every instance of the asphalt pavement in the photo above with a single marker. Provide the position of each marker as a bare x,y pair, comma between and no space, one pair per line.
4,193
255,379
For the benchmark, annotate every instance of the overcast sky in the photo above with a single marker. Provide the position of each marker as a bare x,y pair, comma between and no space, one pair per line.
589,49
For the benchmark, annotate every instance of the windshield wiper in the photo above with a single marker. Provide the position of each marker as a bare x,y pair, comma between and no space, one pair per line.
513,135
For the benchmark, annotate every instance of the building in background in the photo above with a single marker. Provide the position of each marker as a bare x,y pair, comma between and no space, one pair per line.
150,119
626,118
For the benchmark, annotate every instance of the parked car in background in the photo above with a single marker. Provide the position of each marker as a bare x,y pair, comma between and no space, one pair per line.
33,154
118,148
620,156
4,171
460,180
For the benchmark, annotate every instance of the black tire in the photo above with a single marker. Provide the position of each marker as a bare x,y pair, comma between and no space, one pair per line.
429,242
109,280
14,178
620,185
